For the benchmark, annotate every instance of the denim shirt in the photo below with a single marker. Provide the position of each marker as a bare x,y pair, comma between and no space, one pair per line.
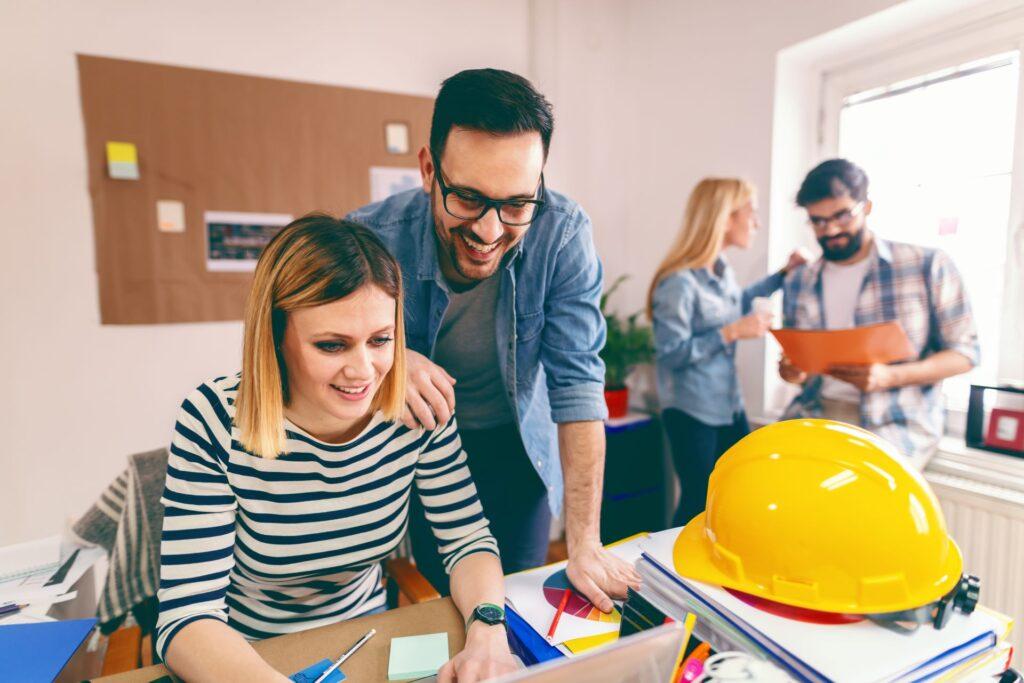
696,369
549,327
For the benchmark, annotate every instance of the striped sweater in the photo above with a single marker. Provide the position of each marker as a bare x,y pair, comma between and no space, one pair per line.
273,546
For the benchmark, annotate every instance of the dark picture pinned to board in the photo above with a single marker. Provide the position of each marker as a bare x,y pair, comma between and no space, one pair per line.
235,239
396,137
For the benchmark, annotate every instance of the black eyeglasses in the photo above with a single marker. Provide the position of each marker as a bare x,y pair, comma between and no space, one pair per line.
843,219
470,206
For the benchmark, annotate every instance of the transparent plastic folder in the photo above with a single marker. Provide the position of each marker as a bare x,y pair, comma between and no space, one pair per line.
647,657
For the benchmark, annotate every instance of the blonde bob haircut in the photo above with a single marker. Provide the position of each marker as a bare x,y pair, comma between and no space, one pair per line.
700,239
314,260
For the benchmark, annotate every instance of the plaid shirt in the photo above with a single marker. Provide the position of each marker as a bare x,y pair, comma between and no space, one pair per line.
920,288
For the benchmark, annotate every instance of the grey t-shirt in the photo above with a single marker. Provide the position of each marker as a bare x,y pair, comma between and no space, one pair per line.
467,349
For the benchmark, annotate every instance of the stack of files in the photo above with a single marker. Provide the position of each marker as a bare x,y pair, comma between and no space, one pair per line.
860,652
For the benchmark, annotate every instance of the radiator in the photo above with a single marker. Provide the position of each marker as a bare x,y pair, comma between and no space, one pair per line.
985,514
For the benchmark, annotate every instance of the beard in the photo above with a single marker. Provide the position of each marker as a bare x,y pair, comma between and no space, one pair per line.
854,240
448,249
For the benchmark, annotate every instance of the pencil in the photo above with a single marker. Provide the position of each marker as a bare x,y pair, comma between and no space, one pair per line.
558,613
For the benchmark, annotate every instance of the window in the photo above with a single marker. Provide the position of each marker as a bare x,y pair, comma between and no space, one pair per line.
939,150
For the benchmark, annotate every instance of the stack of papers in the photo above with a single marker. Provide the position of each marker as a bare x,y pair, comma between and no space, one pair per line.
41,573
859,652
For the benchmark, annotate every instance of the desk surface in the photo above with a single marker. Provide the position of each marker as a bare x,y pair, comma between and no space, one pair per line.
295,651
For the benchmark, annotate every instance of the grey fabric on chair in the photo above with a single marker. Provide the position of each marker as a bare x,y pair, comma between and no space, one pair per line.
127,521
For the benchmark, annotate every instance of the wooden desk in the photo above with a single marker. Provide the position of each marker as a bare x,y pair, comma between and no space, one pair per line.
295,651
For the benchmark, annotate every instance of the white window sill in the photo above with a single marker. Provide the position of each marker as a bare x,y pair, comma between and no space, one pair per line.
955,459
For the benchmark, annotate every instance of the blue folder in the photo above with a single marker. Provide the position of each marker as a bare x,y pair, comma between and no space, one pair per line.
38,652
527,644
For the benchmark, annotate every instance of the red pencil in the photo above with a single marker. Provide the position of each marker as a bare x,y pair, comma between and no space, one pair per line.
558,612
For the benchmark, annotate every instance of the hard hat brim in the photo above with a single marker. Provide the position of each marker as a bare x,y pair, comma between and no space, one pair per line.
693,558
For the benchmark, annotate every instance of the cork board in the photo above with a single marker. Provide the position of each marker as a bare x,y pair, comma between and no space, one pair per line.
219,142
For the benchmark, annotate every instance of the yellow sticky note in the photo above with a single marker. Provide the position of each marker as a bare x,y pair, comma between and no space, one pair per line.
122,161
122,152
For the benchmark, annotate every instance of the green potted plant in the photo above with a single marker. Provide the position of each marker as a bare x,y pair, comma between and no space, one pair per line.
627,345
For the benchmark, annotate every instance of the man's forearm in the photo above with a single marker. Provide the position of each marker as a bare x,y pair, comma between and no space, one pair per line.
582,448
932,369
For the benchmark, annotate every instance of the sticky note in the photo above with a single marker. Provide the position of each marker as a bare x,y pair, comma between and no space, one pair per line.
122,161
312,672
170,215
396,138
417,656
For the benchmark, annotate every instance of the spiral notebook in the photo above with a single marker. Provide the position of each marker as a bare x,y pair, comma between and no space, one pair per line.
33,558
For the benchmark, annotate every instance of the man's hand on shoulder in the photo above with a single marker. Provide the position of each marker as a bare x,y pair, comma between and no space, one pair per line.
429,393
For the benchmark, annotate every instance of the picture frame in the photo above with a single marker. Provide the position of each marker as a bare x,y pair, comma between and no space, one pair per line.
1005,429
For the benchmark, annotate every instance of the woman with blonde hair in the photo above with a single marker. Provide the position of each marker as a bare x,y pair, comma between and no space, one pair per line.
699,312
288,483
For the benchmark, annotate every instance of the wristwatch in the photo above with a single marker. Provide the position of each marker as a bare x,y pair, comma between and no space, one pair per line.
488,613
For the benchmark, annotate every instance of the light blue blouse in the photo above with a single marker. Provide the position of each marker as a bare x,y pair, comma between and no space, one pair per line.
696,369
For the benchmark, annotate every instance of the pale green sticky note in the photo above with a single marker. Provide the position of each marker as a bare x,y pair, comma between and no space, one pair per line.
417,656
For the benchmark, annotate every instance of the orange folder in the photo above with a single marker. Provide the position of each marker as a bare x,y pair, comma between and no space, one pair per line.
814,351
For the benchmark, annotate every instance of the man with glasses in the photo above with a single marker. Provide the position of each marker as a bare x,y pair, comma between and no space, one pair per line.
862,280
502,290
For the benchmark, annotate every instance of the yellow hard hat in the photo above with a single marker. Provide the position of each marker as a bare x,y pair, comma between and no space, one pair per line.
821,515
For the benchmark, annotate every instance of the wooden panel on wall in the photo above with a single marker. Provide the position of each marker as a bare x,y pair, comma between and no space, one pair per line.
219,142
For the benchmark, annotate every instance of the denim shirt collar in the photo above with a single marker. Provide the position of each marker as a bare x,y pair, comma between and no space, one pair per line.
715,274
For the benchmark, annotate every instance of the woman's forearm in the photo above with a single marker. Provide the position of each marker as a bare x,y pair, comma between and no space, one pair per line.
475,579
210,650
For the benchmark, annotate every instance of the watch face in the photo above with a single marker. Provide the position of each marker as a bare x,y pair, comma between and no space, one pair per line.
490,614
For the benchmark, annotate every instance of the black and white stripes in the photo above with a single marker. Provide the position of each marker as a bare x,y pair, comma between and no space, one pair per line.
281,545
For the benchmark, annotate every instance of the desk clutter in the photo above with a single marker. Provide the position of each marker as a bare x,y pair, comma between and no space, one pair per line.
34,576
854,650
735,637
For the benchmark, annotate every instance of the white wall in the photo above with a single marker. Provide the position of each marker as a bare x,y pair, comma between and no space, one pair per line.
77,397
651,96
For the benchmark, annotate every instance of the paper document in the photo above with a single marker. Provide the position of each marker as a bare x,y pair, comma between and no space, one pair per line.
536,595
815,351
45,583
26,560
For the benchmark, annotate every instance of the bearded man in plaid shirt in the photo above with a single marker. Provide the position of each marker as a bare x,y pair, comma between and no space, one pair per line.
862,279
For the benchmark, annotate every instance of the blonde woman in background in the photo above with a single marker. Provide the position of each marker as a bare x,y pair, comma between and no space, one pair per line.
699,313
288,483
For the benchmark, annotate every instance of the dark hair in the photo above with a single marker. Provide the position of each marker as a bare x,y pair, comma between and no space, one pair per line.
490,100
833,178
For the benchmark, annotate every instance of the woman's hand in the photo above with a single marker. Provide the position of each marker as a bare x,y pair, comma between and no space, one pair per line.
749,326
485,656
799,257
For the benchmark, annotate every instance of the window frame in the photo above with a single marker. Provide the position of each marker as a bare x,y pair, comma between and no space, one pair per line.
951,48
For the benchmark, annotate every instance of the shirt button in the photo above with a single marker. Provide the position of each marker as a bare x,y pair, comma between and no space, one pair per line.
540,464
